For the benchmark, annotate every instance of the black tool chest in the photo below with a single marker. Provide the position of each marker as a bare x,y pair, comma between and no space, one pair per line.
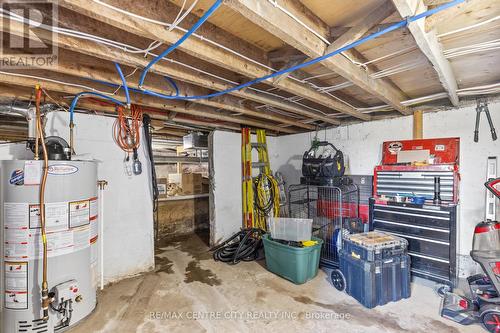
431,234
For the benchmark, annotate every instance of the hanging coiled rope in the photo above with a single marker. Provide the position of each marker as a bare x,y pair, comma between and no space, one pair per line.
126,131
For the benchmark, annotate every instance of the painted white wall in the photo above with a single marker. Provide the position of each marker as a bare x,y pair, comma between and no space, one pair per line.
226,205
362,143
9,151
128,216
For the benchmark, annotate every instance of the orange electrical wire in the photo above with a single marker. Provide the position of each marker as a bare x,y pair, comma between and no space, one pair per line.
126,131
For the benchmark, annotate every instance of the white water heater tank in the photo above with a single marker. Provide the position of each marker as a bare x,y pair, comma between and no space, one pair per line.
71,225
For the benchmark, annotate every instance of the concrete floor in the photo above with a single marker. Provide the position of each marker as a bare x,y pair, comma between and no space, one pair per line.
189,292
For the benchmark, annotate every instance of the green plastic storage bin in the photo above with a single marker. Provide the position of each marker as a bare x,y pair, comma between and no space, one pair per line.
297,264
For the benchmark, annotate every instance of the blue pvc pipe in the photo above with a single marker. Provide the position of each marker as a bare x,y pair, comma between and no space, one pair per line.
124,82
77,97
172,47
393,27
173,84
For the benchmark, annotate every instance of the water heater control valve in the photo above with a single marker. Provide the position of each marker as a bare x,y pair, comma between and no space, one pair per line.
66,291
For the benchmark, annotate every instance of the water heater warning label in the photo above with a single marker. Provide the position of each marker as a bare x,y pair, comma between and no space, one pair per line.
67,224
79,213
15,233
16,285
56,216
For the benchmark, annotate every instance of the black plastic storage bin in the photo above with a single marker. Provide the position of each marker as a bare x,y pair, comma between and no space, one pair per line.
376,282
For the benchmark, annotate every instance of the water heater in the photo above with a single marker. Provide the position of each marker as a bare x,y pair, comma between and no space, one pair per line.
71,227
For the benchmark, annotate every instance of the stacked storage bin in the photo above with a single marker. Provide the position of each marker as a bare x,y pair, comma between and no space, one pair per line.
376,267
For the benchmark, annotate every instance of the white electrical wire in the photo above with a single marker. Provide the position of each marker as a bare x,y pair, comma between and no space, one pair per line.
470,49
178,19
471,91
174,22
57,81
132,49
390,71
294,99
468,27
314,32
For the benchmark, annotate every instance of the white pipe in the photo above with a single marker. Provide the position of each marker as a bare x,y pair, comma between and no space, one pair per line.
101,234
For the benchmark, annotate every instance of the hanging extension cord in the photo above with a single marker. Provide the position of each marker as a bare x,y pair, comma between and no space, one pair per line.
242,246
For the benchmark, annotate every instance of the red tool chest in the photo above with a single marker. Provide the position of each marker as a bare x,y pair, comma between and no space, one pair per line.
392,178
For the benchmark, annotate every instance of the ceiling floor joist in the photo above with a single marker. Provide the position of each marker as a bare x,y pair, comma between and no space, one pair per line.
200,49
264,14
429,45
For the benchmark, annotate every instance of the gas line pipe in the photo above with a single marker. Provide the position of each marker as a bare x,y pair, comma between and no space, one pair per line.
45,286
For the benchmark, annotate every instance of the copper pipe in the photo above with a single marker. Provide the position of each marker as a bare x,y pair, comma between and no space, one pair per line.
45,285
38,98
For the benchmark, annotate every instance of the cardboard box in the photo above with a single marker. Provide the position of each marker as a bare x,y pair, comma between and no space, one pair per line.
192,183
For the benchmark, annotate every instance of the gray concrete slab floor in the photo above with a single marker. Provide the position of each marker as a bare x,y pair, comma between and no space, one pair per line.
190,292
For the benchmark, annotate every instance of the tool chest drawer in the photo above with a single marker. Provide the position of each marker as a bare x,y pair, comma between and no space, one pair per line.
430,231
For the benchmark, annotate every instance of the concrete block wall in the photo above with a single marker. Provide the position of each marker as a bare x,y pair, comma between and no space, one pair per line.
362,144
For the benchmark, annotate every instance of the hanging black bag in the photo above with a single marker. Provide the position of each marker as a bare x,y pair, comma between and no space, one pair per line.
322,166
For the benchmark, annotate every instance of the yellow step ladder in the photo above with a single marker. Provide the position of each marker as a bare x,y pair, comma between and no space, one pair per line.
263,188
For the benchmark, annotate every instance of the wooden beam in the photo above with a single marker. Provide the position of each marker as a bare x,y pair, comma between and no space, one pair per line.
204,112
264,14
175,71
200,49
291,63
71,63
465,7
26,94
172,70
418,124
371,20
429,45
435,2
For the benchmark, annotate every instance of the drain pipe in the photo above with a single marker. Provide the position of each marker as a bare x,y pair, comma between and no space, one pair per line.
102,184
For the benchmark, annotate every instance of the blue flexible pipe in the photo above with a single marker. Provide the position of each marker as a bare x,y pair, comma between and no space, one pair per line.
124,83
393,27
180,41
173,84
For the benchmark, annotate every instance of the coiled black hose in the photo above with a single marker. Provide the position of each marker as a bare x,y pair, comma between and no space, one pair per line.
242,246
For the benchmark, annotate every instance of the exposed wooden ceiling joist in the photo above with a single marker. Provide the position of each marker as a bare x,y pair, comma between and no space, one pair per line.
264,14
200,49
467,6
367,23
429,45
75,67
175,71
199,111
18,93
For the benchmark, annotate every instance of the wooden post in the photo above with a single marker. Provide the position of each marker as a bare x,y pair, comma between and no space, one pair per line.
418,124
